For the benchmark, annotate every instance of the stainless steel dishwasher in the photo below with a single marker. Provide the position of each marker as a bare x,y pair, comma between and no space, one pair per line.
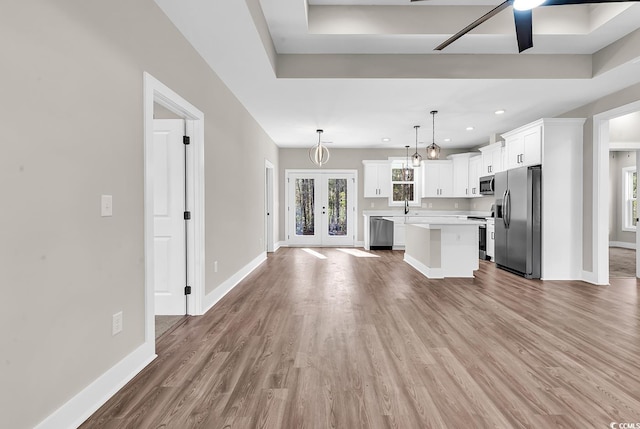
380,233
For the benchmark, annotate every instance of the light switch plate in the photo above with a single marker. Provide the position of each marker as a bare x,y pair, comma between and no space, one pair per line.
106,205
116,323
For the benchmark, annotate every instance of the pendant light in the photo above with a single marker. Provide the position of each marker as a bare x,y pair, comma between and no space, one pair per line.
406,165
319,154
417,158
433,150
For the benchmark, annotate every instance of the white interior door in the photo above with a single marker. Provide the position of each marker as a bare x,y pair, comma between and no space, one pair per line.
270,246
168,216
321,209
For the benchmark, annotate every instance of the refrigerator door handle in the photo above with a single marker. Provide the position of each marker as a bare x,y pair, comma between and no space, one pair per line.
504,209
508,202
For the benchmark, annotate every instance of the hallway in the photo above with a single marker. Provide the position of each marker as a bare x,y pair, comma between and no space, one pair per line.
352,341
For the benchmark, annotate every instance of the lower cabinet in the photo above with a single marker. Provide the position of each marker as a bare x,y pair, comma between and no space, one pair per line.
399,229
491,238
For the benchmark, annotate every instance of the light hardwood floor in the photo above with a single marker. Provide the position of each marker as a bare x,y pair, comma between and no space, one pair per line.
353,342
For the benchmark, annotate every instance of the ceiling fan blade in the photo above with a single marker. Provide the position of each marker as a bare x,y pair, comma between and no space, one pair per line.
524,29
493,12
563,2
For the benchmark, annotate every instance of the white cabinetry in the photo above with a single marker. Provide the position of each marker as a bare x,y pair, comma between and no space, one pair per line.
492,156
557,145
491,238
524,146
475,164
377,179
437,179
399,228
461,174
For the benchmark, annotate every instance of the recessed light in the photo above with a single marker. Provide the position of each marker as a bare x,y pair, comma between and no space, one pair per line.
447,140
499,112
469,128
386,139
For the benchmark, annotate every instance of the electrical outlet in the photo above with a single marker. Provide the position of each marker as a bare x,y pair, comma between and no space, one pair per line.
116,323
106,205
455,205
430,205
372,205
215,266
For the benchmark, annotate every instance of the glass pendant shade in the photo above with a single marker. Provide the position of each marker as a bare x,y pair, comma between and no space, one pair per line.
417,158
319,154
433,150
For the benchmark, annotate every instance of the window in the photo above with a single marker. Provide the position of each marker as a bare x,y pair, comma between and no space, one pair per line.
403,184
629,198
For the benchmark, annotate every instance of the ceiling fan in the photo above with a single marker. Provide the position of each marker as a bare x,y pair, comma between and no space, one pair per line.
522,16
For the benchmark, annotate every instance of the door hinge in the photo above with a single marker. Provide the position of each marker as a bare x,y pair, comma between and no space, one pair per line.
187,290
186,140
187,215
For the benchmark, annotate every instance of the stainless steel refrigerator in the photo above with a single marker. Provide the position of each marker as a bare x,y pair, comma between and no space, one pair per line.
518,221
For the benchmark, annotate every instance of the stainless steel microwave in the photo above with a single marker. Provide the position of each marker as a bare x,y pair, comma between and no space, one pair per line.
486,185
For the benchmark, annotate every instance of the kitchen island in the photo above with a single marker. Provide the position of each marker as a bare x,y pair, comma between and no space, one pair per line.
443,247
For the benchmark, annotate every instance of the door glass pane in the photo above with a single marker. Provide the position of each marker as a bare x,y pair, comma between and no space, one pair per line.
337,207
305,206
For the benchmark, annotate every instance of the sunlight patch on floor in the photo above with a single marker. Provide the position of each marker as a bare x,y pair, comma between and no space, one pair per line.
358,253
314,253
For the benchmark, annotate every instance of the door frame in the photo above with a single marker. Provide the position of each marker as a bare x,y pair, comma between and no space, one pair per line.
288,172
600,200
269,170
155,91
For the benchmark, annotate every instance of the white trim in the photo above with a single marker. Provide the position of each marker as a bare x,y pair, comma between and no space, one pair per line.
225,287
624,146
79,408
278,245
432,273
590,277
156,91
625,214
600,203
269,191
623,244
358,244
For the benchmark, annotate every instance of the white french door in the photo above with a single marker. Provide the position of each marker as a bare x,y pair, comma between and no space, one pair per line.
321,208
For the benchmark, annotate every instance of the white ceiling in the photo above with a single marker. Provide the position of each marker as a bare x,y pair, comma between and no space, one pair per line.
364,70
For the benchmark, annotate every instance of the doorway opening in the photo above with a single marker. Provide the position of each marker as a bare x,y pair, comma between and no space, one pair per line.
177,190
606,139
321,207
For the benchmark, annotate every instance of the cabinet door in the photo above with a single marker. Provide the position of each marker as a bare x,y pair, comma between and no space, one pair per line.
487,163
384,179
532,145
491,239
461,177
445,176
371,180
514,147
430,179
475,164
399,234
496,161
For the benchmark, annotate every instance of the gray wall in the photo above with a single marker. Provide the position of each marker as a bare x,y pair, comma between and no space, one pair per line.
352,159
617,99
618,161
72,129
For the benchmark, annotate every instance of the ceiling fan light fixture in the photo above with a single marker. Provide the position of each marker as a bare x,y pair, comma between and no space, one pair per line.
416,158
527,4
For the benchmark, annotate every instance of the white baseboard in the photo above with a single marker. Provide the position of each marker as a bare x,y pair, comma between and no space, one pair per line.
358,244
79,408
277,246
590,277
622,244
432,273
225,287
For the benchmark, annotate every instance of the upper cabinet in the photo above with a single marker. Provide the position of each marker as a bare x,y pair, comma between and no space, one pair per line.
460,163
377,179
492,159
475,165
437,179
523,146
